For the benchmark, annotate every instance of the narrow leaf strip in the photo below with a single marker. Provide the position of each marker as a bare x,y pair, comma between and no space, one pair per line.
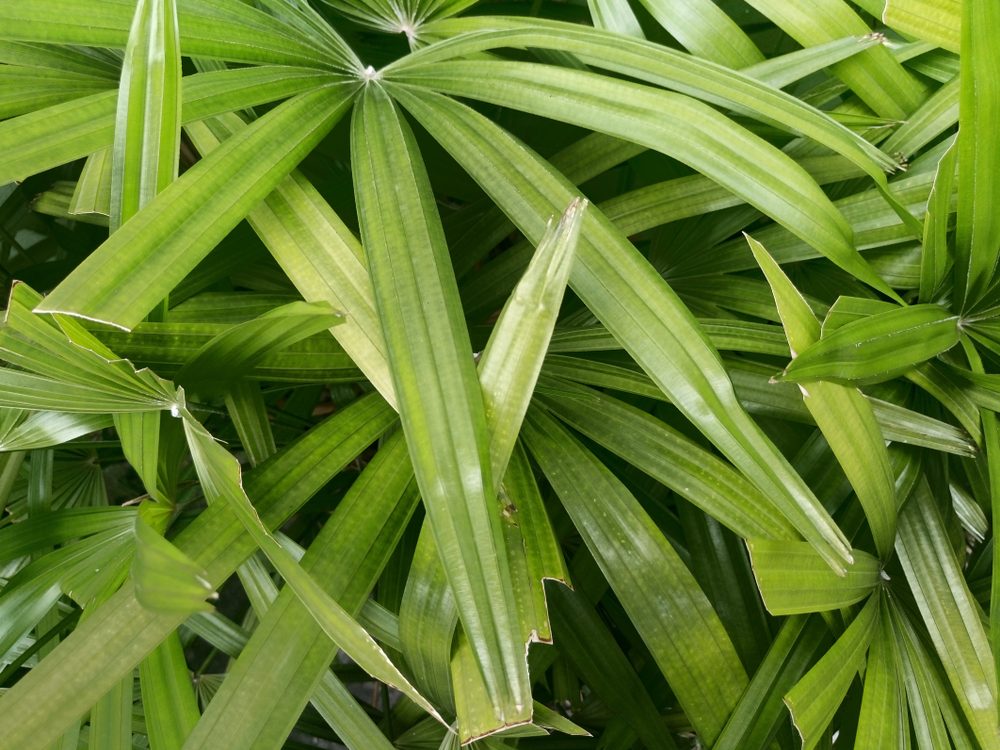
510,364
977,229
706,30
883,721
842,413
761,710
694,652
92,194
427,620
527,523
816,697
168,701
139,433
921,676
219,474
935,256
148,122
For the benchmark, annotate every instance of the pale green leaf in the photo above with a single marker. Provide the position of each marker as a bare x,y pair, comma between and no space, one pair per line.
140,439
793,579
949,612
92,194
168,700
875,76
937,21
883,719
111,718
45,429
167,580
616,16
428,616
706,30
512,359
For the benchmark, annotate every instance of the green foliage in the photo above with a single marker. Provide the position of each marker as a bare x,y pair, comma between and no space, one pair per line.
538,374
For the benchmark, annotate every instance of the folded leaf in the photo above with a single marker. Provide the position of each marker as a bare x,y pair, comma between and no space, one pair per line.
148,122
977,227
793,579
167,580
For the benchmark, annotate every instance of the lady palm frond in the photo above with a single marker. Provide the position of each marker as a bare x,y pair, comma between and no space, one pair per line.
423,373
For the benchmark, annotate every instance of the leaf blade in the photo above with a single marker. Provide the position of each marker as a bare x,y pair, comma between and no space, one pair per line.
187,219
440,399
146,151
